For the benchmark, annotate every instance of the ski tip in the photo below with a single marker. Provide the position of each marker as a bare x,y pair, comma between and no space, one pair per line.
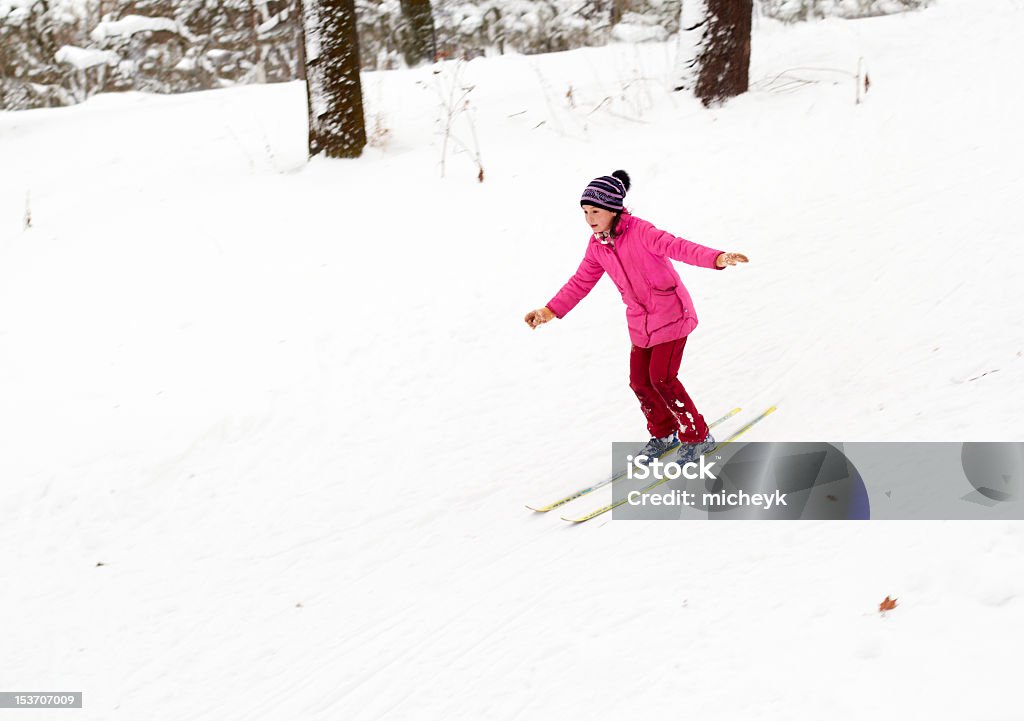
578,521
538,510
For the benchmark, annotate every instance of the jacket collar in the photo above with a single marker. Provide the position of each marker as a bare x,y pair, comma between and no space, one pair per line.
624,220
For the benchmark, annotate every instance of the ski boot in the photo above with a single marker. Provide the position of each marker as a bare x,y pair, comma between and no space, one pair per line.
690,452
656,448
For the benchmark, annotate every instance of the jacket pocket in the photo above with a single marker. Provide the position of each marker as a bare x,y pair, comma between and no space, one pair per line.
666,309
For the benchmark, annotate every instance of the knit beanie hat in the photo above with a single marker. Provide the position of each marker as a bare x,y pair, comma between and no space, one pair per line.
607,191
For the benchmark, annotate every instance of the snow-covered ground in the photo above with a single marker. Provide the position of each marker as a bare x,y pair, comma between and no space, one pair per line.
267,427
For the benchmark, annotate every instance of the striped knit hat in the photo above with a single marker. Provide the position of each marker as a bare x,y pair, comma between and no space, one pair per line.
607,191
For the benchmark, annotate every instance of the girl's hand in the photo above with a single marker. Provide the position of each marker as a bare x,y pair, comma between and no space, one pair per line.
725,259
536,317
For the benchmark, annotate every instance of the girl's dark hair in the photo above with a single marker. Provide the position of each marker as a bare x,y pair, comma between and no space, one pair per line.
613,230
623,177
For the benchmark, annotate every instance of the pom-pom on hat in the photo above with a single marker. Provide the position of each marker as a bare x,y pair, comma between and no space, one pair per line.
607,191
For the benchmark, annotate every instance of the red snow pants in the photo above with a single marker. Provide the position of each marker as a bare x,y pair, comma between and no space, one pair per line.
664,401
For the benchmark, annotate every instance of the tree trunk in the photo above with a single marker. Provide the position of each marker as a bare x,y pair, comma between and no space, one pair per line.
714,48
300,40
334,94
420,45
617,9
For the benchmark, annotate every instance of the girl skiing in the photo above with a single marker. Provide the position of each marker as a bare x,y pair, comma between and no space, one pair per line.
659,312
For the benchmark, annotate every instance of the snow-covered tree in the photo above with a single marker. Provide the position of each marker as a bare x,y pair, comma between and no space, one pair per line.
714,48
58,52
336,124
418,42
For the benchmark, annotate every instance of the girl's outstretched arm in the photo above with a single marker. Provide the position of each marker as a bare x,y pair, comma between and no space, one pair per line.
577,287
664,243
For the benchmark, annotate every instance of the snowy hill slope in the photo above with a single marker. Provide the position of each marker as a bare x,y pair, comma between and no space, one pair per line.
294,412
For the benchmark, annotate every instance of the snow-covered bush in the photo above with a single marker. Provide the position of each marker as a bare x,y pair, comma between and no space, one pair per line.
153,52
478,27
47,47
795,10
171,46
637,28
31,34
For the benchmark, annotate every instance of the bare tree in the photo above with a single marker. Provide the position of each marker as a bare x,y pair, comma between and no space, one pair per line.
336,124
300,41
419,44
617,9
714,48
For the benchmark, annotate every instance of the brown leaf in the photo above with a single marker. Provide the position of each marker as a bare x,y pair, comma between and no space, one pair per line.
887,605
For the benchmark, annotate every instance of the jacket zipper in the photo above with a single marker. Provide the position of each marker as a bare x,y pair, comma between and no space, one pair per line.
629,283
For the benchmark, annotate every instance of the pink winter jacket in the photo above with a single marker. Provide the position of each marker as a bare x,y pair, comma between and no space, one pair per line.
658,306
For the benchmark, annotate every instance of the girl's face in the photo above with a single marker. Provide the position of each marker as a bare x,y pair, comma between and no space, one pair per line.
599,219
